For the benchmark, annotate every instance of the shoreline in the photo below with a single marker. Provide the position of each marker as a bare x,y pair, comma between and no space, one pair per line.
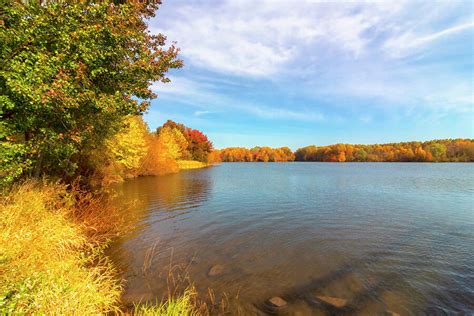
192,164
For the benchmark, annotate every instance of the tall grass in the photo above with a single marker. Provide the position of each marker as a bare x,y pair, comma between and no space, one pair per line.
184,305
48,264
190,164
52,262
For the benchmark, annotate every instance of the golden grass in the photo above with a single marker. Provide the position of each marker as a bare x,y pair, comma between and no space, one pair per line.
47,263
52,260
191,164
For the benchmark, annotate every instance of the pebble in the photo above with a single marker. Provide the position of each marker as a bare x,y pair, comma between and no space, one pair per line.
216,270
277,301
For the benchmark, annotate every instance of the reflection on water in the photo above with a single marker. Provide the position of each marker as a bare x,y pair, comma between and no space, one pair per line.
372,237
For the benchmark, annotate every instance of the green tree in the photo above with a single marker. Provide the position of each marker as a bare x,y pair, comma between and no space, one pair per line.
360,155
438,151
69,73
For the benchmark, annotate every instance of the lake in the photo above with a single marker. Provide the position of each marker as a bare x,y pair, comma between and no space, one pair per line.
328,238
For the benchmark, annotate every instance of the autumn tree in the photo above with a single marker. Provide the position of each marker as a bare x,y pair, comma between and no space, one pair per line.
128,146
436,150
174,141
69,73
263,154
198,145
157,160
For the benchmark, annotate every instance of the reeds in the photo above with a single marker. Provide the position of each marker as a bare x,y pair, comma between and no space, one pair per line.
185,305
48,264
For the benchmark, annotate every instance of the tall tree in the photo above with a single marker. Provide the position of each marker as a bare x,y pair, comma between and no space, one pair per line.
174,140
69,73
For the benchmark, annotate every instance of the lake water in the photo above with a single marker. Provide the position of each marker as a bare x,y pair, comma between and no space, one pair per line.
379,237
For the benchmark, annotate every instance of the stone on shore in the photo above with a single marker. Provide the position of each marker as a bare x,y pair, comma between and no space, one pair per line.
277,301
334,301
216,270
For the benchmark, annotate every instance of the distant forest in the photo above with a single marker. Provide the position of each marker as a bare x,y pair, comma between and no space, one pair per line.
444,150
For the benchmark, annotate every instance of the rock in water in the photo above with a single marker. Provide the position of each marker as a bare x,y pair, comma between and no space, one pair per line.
334,301
277,301
216,270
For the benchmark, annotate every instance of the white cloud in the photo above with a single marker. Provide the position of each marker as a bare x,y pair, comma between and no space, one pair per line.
200,113
259,38
409,42
324,50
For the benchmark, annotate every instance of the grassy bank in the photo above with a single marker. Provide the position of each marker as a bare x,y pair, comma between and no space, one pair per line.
191,164
48,264
52,260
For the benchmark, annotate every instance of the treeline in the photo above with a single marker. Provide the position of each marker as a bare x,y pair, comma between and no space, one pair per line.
447,150
262,154
135,151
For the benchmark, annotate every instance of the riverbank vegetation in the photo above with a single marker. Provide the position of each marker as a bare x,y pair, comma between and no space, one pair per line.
444,150
135,151
261,154
74,81
52,263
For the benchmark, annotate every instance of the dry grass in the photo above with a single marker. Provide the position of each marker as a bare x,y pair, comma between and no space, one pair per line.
52,261
191,164
48,265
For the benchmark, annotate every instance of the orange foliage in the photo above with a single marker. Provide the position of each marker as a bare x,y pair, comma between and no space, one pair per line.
157,160
454,150
263,154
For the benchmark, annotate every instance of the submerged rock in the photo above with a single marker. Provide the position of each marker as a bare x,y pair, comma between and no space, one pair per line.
334,301
277,301
216,270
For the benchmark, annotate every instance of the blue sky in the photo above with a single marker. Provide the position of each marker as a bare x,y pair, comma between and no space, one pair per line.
295,73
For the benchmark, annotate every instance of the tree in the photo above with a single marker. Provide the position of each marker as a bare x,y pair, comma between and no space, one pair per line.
198,145
69,73
438,151
129,145
157,160
360,155
174,140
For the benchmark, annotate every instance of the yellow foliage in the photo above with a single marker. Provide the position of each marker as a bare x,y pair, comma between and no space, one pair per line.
174,141
48,266
129,145
157,160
